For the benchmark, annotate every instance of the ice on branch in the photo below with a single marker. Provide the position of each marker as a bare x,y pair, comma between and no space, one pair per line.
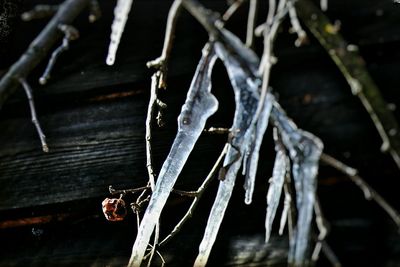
304,150
241,64
200,104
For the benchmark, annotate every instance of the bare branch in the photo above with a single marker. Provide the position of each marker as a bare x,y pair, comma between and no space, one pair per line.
330,255
251,20
35,120
40,47
161,63
70,34
352,66
369,192
149,122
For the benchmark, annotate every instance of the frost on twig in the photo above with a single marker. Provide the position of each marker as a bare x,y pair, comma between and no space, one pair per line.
199,106
70,34
304,150
121,13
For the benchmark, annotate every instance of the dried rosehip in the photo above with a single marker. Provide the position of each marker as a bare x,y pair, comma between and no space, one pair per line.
114,209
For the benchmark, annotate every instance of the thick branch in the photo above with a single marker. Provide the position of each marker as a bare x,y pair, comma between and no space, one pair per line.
352,65
40,47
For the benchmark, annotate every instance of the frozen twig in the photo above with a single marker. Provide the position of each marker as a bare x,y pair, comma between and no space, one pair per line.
149,160
251,20
40,47
39,12
70,34
199,193
161,63
352,66
369,192
267,60
121,13
35,120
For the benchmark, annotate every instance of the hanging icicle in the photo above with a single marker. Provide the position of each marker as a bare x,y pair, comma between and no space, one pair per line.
304,150
200,104
275,184
241,64
121,13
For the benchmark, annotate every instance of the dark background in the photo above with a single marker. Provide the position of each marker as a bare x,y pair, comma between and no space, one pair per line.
94,115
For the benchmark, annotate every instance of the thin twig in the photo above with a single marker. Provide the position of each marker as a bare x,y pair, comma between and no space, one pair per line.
35,120
70,34
330,255
149,122
199,194
161,63
369,192
322,228
251,20
352,66
232,9
296,27
125,191
217,130
40,47
267,60
155,244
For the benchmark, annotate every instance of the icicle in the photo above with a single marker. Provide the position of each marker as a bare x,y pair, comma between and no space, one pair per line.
199,106
251,162
121,13
305,150
241,64
276,185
